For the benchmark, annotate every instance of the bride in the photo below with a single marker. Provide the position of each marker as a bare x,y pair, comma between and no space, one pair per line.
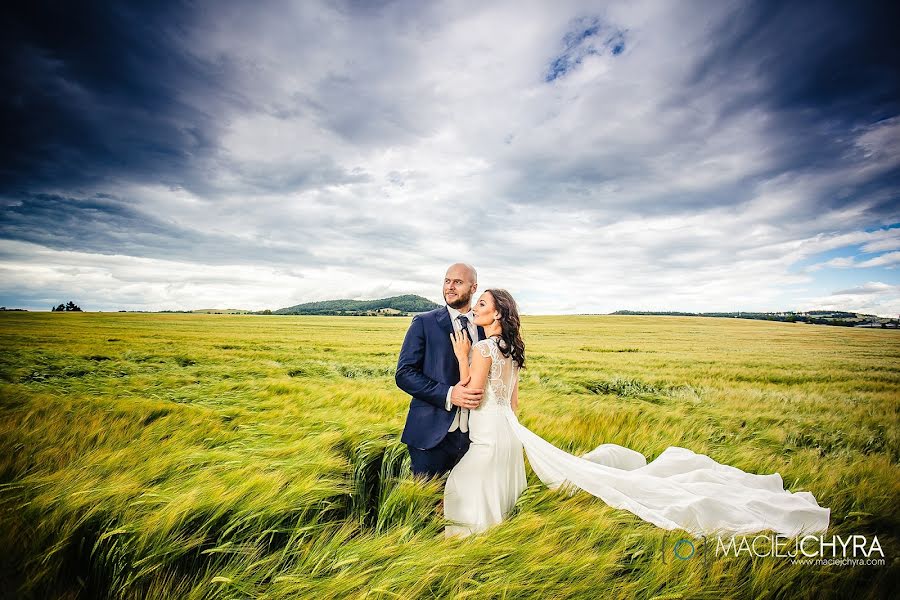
678,490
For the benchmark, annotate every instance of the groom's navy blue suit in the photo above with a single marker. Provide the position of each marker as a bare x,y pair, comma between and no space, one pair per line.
426,369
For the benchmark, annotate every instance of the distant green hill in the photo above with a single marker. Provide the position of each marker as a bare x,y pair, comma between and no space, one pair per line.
817,317
394,305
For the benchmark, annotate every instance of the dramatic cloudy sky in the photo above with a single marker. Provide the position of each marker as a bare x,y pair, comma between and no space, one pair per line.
587,156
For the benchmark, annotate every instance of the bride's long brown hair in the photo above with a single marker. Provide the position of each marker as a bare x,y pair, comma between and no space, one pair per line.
511,343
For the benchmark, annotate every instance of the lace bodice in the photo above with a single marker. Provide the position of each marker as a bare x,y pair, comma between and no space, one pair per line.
502,375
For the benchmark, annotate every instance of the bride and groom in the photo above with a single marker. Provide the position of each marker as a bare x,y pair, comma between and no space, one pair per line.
460,363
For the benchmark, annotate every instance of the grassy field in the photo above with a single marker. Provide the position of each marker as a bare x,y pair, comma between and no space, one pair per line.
238,456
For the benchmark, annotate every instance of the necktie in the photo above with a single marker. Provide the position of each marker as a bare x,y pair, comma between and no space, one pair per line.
464,326
463,414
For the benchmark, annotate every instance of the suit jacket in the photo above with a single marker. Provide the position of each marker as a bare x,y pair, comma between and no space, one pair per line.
426,369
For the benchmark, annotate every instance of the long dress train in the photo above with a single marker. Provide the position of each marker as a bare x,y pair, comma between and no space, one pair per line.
680,489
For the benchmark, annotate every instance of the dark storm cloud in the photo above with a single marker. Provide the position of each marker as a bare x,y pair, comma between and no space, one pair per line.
786,88
821,71
99,91
104,224
818,58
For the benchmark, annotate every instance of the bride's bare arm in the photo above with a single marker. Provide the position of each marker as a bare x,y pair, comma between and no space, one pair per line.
478,370
514,401
475,373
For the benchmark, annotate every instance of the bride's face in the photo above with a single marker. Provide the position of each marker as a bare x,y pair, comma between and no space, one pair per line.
485,311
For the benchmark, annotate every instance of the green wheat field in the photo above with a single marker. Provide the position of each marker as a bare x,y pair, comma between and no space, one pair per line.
239,456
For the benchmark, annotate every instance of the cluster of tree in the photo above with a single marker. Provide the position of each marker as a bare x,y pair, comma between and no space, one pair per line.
68,307
835,314
22,309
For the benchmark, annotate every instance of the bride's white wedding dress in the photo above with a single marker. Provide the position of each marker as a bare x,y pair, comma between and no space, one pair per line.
678,490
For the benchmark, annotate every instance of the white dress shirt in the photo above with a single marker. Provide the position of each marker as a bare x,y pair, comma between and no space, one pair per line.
461,419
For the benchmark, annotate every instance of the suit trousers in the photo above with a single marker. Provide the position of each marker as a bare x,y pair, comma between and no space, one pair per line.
437,461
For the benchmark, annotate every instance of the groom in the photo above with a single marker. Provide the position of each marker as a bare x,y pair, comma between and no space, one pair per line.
436,431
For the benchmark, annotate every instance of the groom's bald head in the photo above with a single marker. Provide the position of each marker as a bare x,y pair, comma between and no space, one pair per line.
472,275
460,282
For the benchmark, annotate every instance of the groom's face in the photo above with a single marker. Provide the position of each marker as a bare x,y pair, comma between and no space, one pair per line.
458,287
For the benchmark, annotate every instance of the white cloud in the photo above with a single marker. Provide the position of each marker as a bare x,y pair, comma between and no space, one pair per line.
870,287
888,260
872,297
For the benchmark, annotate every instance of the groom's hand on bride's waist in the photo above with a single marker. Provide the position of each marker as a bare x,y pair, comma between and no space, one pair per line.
465,397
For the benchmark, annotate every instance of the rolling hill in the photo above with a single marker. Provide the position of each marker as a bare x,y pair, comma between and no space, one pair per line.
402,304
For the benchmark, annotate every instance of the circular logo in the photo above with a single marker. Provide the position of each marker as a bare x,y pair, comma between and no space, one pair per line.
682,553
